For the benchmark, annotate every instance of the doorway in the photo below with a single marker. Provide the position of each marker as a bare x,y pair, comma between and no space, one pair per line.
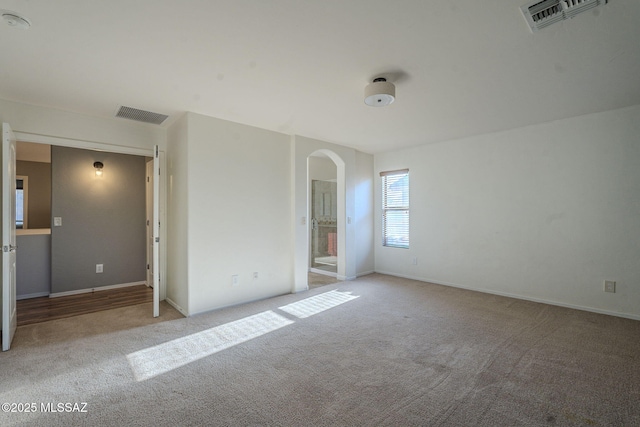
87,211
324,227
324,220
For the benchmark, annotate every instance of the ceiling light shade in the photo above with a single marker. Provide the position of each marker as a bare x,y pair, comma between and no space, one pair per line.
379,93
14,20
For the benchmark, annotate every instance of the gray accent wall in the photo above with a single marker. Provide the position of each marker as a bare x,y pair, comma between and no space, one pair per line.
39,206
103,219
33,265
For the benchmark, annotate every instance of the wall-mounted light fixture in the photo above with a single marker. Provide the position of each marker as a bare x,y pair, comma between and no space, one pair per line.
98,166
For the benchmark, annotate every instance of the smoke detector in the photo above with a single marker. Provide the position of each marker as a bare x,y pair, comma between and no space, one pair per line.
14,19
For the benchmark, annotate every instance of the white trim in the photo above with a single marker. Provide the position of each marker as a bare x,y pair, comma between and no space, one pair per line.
516,296
177,307
347,278
77,143
36,295
100,288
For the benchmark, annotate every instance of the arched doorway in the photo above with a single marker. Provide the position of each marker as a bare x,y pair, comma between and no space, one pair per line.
326,213
345,160
323,220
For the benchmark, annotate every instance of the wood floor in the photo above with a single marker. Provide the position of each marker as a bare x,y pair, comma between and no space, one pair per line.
316,280
43,309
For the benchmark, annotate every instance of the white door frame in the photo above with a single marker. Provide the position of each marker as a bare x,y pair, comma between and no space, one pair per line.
119,149
9,246
156,231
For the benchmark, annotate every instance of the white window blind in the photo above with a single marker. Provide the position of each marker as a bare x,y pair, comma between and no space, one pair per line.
395,208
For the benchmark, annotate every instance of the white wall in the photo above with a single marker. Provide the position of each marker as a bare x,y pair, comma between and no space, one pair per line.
239,213
545,212
364,216
177,280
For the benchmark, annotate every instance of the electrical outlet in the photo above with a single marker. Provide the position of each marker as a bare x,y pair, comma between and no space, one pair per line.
234,280
415,261
99,268
609,286
255,275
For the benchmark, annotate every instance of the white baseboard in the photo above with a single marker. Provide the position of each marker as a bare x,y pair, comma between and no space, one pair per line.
36,295
100,288
177,307
365,273
516,296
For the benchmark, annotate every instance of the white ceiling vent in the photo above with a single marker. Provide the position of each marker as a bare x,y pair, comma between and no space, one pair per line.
540,14
141,115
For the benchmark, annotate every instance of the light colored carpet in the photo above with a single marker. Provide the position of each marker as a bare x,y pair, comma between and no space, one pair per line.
377,351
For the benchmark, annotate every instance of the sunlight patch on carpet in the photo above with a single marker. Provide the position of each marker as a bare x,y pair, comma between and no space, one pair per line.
162,358
317,304
168,356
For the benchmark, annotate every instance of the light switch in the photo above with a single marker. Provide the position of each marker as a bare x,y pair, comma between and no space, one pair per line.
57,221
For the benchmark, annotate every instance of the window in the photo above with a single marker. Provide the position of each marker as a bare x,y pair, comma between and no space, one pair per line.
22,198
395,208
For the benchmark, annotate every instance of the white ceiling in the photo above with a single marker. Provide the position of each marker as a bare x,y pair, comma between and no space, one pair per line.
461,67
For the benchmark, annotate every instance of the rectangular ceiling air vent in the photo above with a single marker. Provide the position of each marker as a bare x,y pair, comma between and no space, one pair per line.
541,14
141,115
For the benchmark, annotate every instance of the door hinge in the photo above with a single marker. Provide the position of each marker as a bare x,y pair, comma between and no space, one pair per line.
157,240
147,266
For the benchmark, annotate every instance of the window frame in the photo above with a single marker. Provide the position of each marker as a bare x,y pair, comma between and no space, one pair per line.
401,224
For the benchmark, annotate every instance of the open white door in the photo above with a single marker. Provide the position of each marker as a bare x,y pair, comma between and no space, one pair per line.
149,221
156,232
9,314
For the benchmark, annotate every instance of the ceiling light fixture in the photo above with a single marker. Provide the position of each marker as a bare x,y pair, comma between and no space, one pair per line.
379,93
15,20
